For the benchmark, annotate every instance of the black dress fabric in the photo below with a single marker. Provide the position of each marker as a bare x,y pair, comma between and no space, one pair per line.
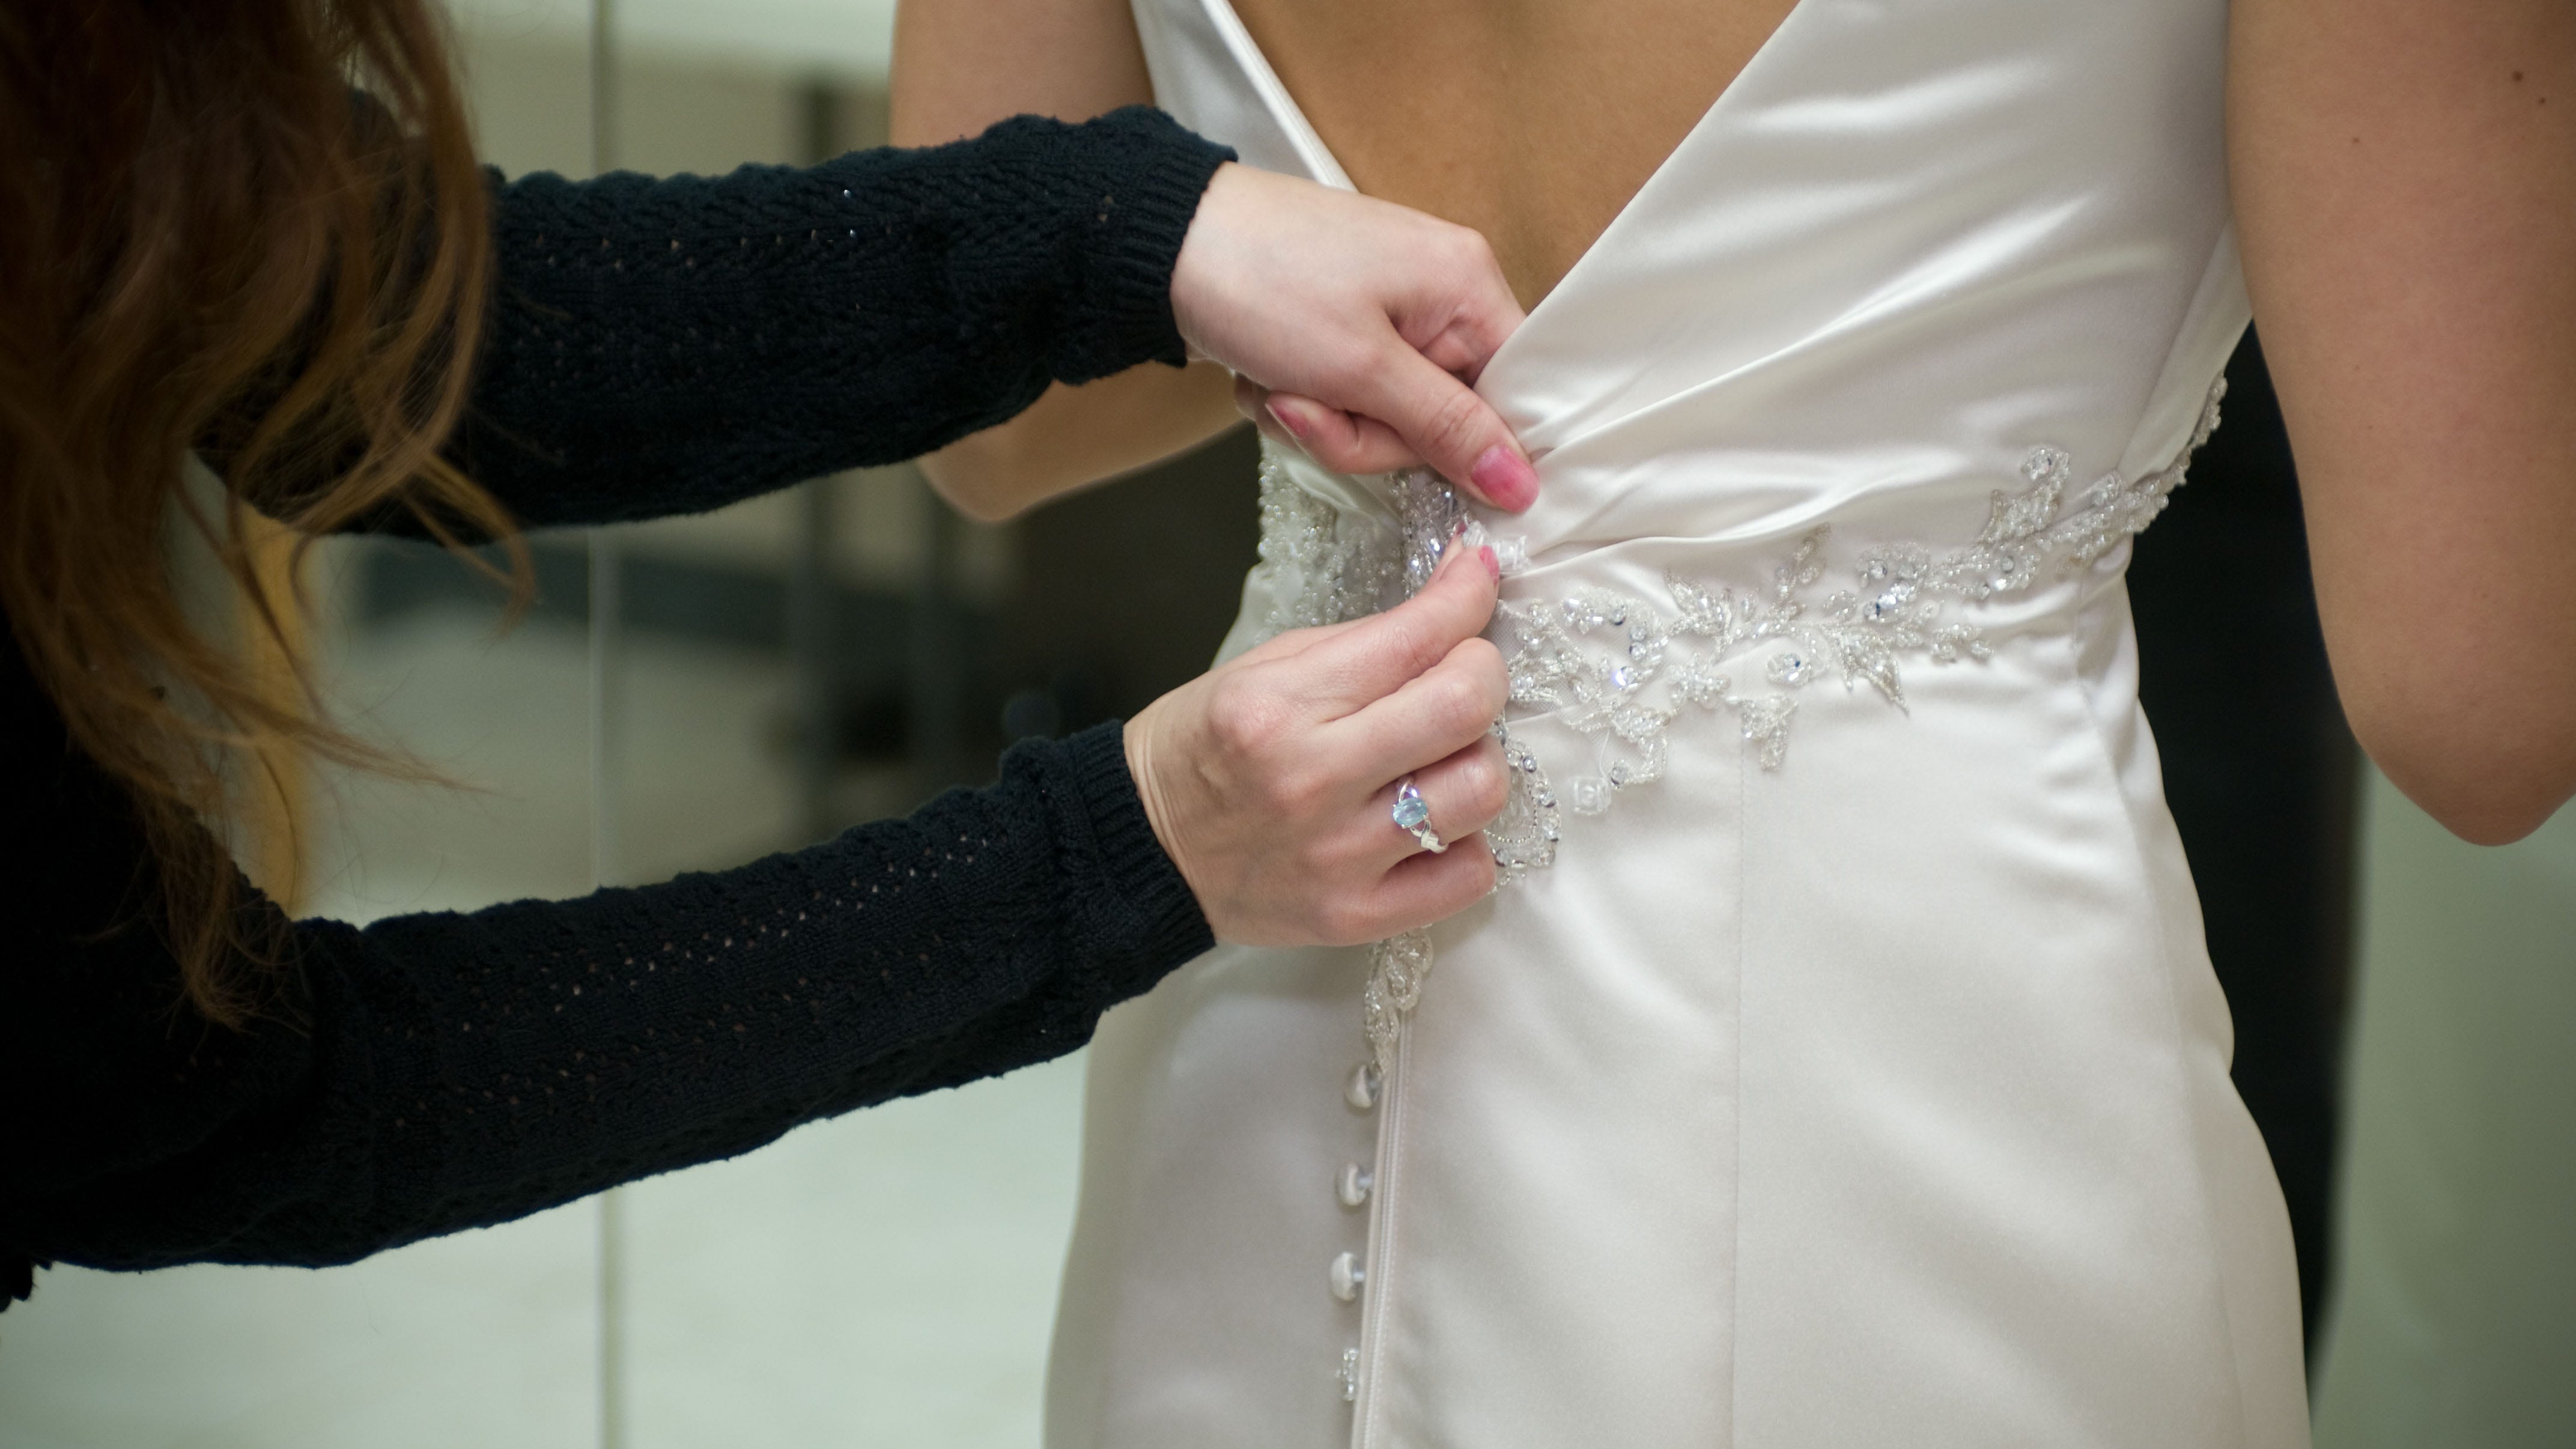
656,347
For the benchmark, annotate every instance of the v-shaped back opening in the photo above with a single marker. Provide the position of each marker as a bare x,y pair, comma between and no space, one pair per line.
1263,76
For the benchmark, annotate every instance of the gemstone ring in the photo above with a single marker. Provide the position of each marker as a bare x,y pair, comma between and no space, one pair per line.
1413,815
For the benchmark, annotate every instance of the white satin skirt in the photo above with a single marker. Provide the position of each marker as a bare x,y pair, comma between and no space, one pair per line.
1878,1099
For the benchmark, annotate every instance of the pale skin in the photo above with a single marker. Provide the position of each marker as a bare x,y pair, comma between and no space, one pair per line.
1271,780
2404,174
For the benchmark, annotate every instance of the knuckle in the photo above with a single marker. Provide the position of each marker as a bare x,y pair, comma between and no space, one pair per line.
1245,720
1482,662
1408,636
1485,784
1297,794
1480,873
1310,864
1340,450
1452,424
1470,254
1282,645
1362,361
1342,921
1469,242
1484,877
1459,704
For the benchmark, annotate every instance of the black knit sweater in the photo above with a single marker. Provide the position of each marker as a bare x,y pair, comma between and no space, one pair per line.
657,347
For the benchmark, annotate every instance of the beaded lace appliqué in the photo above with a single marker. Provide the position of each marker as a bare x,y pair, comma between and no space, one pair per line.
1342,568
1334,567
1622,669
1897,608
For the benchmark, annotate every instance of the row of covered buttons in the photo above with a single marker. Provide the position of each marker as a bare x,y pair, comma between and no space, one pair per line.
1347,1275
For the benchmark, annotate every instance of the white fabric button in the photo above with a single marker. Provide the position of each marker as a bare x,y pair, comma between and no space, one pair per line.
1348,1277
1354,1187
1361,1092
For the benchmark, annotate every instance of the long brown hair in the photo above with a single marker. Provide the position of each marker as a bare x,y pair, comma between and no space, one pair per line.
254,219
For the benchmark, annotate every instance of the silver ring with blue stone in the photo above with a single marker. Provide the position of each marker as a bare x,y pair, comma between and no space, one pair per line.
1413,816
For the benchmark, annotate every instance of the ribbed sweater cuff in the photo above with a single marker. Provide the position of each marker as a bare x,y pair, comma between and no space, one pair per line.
1149,920
1149,174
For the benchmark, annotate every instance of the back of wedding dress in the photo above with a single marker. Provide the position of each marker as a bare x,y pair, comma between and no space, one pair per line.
1843,1065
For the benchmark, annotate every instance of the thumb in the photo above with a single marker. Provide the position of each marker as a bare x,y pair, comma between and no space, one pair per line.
1448,426
1376,656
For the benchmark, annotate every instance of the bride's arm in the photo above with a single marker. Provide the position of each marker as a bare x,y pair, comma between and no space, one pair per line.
2405,177
959,66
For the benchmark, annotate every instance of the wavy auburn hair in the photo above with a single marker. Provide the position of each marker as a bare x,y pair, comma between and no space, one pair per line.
206,231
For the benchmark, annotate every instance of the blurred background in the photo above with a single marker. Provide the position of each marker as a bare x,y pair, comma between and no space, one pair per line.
693,693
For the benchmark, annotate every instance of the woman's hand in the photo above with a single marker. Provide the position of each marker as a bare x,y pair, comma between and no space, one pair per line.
1271,780
1359,326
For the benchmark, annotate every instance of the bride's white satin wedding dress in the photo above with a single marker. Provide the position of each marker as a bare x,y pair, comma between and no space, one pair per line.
1854,1073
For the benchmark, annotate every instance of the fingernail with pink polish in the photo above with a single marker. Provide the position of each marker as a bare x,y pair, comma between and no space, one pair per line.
1505,477
1493,564
1295,428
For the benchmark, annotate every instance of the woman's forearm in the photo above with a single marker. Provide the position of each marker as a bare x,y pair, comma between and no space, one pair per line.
660,346
960,66
1076,436
440,1071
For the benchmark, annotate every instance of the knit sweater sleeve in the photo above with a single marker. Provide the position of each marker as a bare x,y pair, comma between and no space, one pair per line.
436,1072
665,346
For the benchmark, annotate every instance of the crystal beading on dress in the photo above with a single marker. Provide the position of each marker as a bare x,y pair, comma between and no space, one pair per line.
1344,567
1898,609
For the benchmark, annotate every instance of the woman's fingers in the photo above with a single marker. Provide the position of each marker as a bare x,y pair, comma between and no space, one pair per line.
1375,313
1253,401
1376,657
1467,342
1443,421
1343,442
1479,451
1463,793
1424,889
1438,712
1269,781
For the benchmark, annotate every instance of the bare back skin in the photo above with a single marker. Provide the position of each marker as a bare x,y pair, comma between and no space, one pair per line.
2402,171
1533,121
